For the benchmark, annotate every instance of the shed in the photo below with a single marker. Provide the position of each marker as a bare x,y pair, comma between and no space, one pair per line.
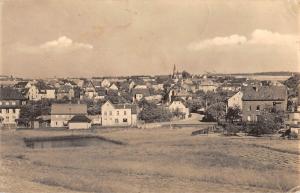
79,122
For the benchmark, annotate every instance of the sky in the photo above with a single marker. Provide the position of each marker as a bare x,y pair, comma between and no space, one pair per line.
84,38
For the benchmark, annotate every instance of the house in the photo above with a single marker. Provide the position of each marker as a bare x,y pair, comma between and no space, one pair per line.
79,122
65,92
118,114
207,86
105,83
236,100
113,86
32,93
259,98
293,122
11,101
179,106
45,91
139,93
62,113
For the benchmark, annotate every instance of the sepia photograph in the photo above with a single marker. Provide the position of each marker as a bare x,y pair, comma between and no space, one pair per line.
149,96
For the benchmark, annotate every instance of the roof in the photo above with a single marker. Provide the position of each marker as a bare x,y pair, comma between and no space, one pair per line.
145,92
264,93
10,94
68,109
21,84
125,106
80,119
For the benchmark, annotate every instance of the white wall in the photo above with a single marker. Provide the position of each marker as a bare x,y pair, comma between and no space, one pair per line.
79,125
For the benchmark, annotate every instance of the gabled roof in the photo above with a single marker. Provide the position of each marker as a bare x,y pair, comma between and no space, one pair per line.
133,107
68,109
80,119
264,93
21,84
10,94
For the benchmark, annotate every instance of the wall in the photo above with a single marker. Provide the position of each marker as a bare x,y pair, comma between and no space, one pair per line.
253,113
79,125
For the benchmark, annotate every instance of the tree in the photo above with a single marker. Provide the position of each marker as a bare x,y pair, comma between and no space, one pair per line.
268,122
217,111
195,104
152,113
233,114
185,75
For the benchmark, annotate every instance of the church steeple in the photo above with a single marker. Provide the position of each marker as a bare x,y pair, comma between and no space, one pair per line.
174,71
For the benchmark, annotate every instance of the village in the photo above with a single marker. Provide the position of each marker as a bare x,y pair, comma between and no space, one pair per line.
234,103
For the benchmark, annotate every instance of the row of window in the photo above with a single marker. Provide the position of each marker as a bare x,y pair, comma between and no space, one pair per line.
8,103
117,120
111,113
8,111
257,108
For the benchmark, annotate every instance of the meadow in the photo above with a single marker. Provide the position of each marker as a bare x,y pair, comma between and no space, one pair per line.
150,161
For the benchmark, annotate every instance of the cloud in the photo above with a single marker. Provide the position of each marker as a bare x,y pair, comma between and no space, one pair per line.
273,38
62,44
218,41
257,37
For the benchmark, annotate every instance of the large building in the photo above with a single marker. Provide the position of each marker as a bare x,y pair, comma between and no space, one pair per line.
61,114
11,101
259,98
236,100
118,114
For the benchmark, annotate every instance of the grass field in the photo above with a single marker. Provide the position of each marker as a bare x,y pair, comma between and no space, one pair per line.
151,160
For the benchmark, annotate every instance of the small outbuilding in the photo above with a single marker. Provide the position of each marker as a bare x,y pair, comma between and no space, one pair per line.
79,122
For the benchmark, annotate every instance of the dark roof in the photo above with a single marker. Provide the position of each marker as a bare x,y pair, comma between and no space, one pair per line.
10,94
79,119
264,93
68,109
21,84
145,92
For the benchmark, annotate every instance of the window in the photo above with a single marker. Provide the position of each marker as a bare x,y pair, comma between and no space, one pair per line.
14,110
249,118
249,109
7,103
105,113
116,120
125,112
7,110
117,112
0,103
110,113
258,108
13,103
125,120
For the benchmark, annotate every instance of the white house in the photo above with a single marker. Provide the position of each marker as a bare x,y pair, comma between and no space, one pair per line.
118,114
179,106
105,83
10,104
62,113
32,93
113,86
236,100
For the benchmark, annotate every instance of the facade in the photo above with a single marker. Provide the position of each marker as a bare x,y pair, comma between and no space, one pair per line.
207,86
118,114
258,98
236,100
62,113
65,92
11,101
179,106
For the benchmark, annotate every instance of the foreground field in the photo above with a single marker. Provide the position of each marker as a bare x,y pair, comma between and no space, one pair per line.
152,160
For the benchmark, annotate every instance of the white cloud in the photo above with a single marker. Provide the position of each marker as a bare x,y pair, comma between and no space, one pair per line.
273,38
218,41
258,37
62,44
